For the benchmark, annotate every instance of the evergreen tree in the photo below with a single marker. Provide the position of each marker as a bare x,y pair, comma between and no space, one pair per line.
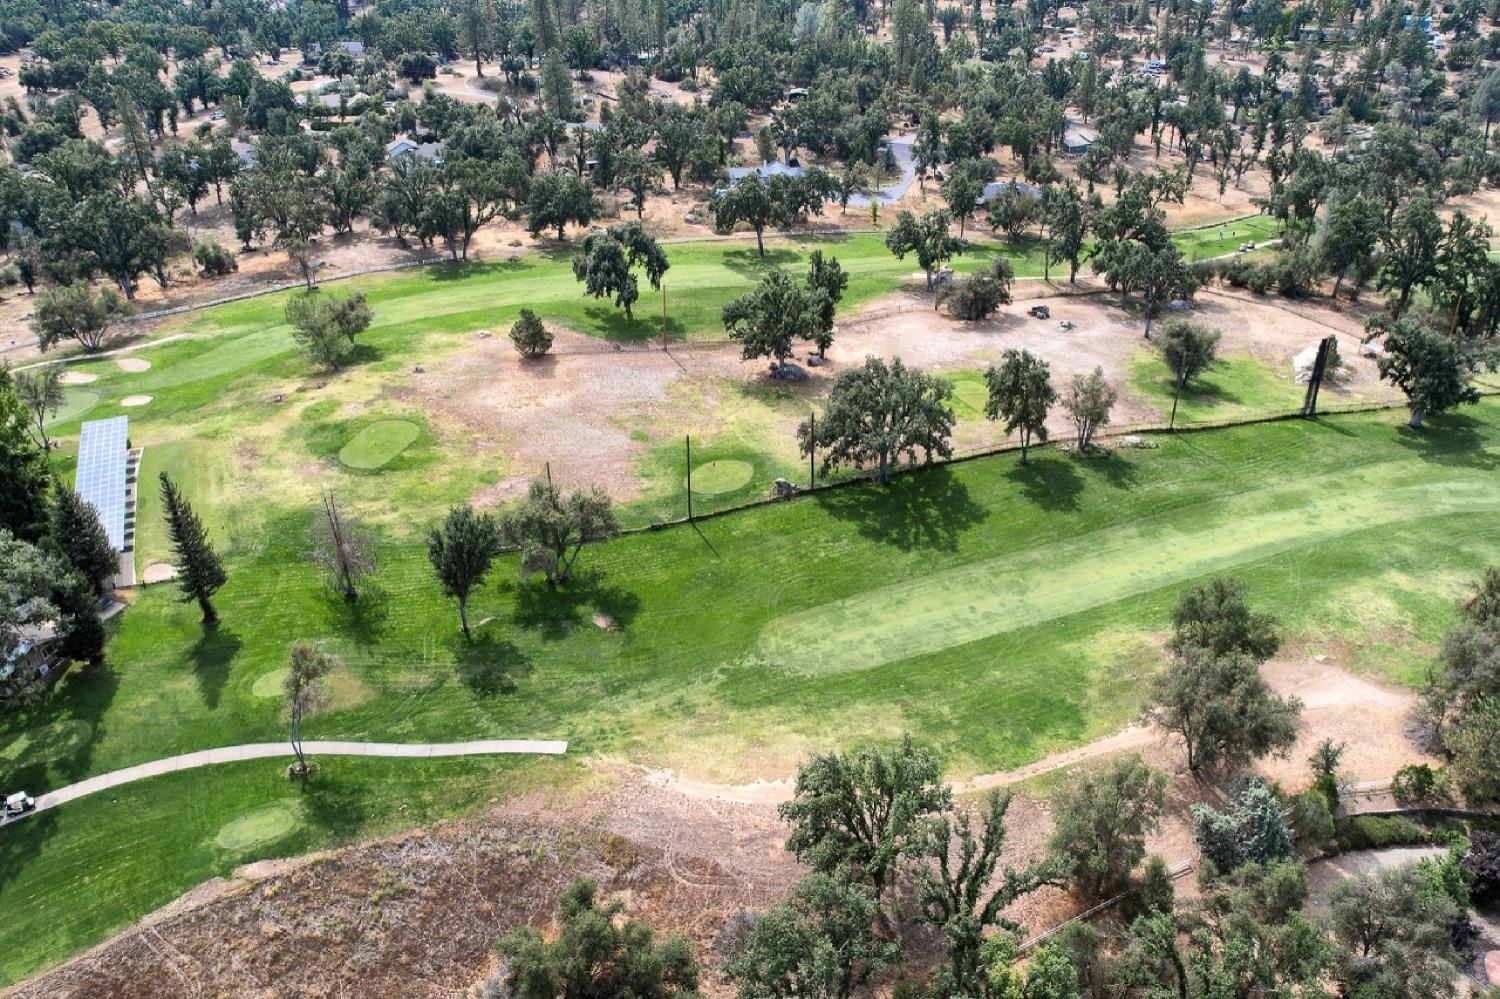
199,571
78,534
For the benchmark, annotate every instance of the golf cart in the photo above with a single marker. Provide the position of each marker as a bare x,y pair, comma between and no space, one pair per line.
18,804
1039,312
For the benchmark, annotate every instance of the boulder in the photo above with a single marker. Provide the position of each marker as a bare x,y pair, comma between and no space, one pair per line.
783,487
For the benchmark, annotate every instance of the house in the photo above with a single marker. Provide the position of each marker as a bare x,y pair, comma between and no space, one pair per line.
1078,138
403,145
991,190
1156,67
355,49
244,152
796,94
30,660
765,171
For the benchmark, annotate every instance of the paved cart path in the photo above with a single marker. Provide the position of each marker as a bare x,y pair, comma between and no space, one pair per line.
273,750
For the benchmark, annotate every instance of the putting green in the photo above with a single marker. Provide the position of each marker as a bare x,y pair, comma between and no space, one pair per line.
75,403
45,743
379,443
994,596
714,477
269,684
254,828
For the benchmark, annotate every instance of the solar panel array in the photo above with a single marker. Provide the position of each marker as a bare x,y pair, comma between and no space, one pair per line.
102,448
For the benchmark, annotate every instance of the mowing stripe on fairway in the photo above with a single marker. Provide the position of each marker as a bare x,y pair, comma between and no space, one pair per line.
956,606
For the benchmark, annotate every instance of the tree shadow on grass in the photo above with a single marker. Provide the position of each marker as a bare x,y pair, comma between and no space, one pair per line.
333,805
364,620
462,270
1049,481
555,613
749,263
491,666
59,752
211,656
1452,439
611,323
1117,472
925,508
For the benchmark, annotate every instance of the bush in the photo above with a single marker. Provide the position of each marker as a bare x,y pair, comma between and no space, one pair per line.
212,259
1377,832
1419,785
977,296
530,336
1312,820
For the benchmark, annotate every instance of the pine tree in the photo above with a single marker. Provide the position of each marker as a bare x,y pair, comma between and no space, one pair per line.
78,534
200,573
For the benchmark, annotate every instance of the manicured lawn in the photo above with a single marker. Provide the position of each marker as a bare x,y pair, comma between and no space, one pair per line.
997,613
1238,386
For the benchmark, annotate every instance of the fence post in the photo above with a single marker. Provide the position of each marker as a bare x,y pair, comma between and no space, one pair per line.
687,443
549,474
664,315
1181,377
812,449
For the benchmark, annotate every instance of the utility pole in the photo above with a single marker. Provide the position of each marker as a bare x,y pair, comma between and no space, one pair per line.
687,443
1181,377
664,315
549,474
812,449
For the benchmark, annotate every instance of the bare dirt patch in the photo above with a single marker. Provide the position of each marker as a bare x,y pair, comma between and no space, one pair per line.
419,914
159,572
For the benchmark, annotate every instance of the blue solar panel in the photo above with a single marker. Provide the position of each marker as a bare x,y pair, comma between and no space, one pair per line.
102,450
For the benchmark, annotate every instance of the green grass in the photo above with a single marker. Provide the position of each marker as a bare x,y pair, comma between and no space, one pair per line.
997,613
1217,240
1238,386
379,443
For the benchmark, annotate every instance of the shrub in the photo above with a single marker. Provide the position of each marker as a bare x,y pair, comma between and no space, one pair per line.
1418,785
1377,832
530,336
212,259
977,296
1312,820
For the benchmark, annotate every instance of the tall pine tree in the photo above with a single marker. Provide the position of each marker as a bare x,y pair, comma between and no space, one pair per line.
199,572
78,534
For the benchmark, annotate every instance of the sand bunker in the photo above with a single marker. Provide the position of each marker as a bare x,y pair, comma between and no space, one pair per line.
159,572
77,378
133,364
135,400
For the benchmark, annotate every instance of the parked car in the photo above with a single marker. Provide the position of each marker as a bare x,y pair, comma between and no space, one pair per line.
19,804
1039,312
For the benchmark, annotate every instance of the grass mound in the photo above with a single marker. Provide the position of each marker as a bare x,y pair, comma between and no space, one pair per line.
254,828
75,403
378,444
715,477
269,685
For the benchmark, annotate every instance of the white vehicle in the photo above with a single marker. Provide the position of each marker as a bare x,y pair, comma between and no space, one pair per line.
19,804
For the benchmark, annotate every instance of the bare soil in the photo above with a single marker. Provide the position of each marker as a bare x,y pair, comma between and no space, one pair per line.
576,407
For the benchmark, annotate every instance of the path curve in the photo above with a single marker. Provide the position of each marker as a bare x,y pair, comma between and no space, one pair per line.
273,750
